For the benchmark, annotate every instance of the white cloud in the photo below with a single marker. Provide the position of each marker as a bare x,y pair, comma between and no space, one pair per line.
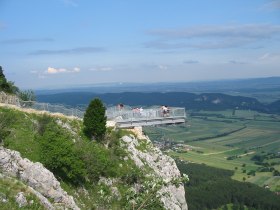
264,56
191,61
40,76
236,62
76,69
101,68
162,67
247,30
33,72
76,51
52,70
70,3
272,5
270,57
214,36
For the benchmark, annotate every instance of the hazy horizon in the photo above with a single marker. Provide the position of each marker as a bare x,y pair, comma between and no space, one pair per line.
191,86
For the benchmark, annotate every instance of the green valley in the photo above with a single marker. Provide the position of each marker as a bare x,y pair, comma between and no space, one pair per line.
246,142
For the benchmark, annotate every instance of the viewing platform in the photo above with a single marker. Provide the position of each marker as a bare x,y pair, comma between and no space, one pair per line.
127,117
121,116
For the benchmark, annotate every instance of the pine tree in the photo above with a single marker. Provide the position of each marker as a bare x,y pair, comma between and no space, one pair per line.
95,120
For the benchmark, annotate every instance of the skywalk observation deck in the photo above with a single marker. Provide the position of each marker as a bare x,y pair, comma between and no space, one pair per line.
124,117
128,117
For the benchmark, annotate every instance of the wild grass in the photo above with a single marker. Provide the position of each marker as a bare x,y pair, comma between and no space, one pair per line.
9,188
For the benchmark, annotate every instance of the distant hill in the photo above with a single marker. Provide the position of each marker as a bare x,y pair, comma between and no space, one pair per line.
204,101
266,90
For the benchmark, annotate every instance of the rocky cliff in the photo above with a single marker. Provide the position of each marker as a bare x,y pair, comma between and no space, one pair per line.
163,167
46,188
40,180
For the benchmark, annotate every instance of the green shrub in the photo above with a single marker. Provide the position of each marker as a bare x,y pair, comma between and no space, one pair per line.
98,161
43,121
59,155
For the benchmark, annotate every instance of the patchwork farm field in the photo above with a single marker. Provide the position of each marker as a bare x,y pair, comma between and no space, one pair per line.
228,140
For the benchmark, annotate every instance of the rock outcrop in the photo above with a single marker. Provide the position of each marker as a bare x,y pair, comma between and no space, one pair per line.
21,199
37,177
8,98
163,166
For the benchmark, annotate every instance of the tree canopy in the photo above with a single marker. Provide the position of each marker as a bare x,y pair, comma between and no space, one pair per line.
95,120
27,95
212,188
7,86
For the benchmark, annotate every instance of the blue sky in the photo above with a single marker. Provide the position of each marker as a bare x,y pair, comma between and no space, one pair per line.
59,43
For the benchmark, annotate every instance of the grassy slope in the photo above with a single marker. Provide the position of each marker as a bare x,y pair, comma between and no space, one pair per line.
22,137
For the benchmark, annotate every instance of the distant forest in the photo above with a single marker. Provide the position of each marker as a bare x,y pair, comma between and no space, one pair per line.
212,188
191,101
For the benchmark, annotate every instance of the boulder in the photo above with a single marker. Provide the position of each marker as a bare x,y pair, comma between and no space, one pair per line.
21,199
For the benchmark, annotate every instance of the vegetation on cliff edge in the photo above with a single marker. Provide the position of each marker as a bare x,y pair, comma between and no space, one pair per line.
78,162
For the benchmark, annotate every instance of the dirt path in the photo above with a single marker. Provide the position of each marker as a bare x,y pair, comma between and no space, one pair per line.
216,153
269,143
248,153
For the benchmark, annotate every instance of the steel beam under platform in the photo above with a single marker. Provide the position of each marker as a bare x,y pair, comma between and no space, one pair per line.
149,122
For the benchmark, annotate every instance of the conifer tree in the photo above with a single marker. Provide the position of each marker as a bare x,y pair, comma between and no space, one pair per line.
95,120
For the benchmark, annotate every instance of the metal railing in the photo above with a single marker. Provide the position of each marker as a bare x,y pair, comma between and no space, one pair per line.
10,99
128,113
116,114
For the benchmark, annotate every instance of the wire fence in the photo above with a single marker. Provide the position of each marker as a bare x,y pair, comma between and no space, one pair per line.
53,108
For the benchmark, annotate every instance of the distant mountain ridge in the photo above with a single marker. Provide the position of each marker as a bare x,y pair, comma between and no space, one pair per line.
266,90
204,101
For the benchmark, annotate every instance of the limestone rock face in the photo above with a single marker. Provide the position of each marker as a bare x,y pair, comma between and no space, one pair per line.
36,176
21,199
163,166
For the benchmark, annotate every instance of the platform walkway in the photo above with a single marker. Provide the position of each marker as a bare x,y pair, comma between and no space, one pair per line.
128,117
